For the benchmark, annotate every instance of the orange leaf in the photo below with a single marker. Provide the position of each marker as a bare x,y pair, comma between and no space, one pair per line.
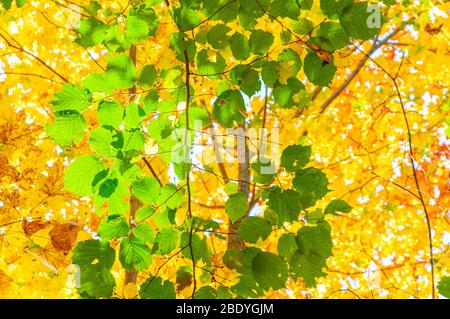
64,236
31,227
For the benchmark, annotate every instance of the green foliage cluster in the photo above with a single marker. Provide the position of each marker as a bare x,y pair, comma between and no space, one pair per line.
112,174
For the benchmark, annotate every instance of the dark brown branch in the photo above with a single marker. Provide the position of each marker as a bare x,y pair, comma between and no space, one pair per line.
188,182
152,170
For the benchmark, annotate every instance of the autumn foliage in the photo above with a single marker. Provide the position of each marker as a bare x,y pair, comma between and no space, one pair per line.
126,171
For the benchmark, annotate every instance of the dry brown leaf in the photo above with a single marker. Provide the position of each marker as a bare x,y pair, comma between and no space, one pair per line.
31,227
64,236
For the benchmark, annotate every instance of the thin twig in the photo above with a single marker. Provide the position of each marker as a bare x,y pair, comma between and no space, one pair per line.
343,86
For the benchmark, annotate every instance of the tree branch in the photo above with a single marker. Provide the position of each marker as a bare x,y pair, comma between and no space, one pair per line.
340,89
21,49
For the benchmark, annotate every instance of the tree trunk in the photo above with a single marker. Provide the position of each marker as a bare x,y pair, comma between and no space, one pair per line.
234,242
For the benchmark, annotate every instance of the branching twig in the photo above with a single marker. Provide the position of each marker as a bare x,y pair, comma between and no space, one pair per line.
343,86
17,46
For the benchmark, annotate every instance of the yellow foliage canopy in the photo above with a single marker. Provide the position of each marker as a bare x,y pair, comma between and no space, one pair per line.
359,139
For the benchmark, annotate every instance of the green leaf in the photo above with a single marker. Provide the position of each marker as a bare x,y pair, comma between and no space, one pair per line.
262,167
315,216
186,18
146,189
302,26
291,58
180,42
93,252
224,293
217,36
333,8
155,288
269,270
160,128
295,157
251,229
166,240
144,232
148,14
198,114
284,94
355,20
6,4
247,287
133,140
91,32
121,71
150,101
228,11
287,204
269,73
80,175
137,29
231,188
226,109
134,254
101,140
312,184
182,169
99,82
67,128
316,239
260,42
199,247
170,196
331,36
338,205
95,283
165,218
271,216
144,213
236,206
147,76
249,12
133,116
283,8
71,97
207,67
114,226
306,4
110,114
108,187
117,202
240,259
287,246
444,286
247,79
309,267
115,39
318,72
206,292
128,171
239,46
